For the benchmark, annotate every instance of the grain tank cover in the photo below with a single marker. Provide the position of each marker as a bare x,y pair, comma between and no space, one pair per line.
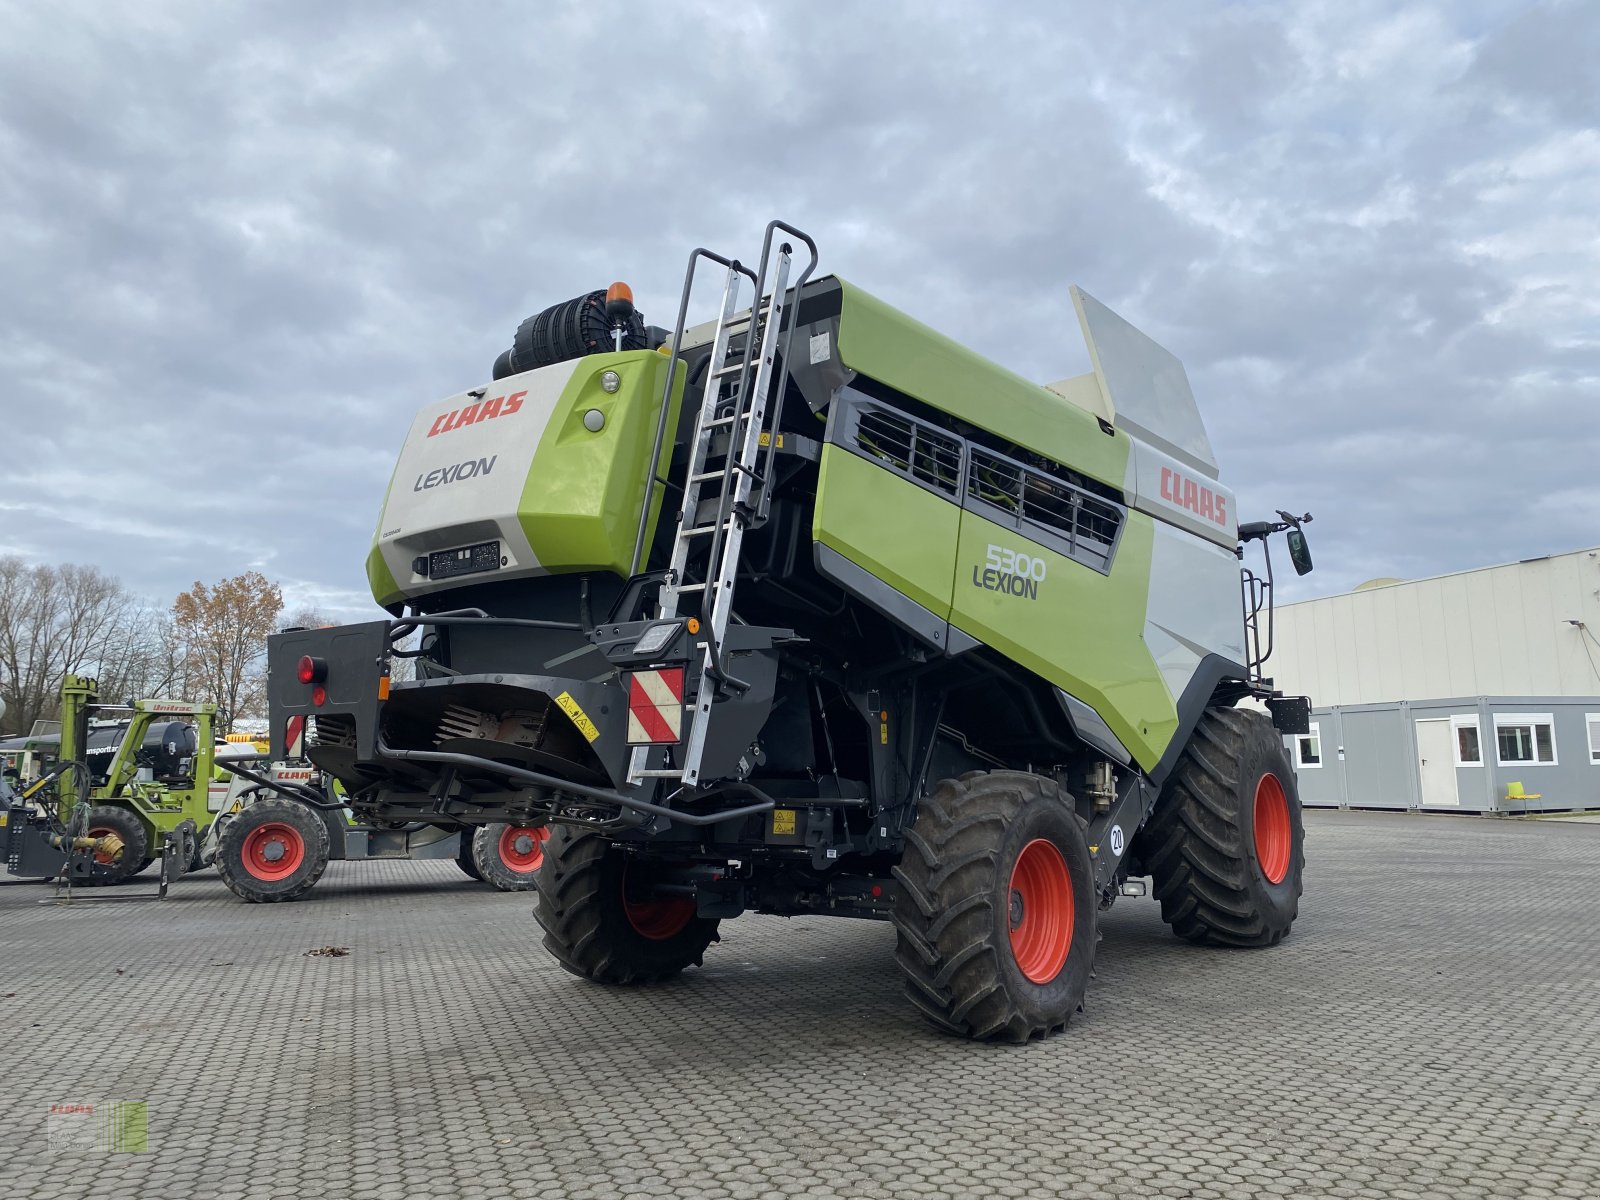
1145,385
540,473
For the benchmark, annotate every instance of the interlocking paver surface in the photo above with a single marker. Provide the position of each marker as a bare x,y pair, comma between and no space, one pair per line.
1431,1029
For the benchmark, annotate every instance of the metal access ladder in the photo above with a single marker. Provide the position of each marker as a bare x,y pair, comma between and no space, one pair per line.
734,408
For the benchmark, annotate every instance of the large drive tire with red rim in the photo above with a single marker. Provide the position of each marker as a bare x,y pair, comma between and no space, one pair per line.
274,849
105,869
509,856
602,920
995,912
1226,844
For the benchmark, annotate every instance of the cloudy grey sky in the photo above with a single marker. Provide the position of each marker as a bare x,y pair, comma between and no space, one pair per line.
241,244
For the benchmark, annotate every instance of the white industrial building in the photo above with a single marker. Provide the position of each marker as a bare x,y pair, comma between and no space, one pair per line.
1477,691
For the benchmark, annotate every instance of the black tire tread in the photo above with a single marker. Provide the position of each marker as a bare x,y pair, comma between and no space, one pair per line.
578,929
1195,846
945,942
230,847
135,846
490,867
464,857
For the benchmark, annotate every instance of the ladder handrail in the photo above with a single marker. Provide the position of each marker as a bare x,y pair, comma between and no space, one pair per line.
751,388
695,255
735,397
788,343
745,399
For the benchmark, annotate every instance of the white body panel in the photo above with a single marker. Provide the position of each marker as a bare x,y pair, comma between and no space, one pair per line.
1085,391
1144,385
1170,490
1194,608
461,474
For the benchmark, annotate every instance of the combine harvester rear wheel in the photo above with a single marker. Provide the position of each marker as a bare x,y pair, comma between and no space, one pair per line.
273,850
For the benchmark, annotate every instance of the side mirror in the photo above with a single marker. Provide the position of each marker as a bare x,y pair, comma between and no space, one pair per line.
1299,552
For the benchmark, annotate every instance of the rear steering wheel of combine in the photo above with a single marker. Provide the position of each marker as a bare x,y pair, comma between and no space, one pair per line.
107,868
996,911
509,856
1225,846
274,849
603,919
464,858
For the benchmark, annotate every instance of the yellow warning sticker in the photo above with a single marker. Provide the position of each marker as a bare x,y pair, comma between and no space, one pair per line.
579,718
783,820
3,818
766,439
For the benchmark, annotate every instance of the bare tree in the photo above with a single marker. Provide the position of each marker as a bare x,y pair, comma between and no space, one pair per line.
55,620
223,628
306,617
147,661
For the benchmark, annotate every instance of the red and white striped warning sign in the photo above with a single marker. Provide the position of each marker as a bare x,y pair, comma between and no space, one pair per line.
655,706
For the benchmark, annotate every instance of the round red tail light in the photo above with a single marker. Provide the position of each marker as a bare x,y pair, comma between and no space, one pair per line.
319,695
310,670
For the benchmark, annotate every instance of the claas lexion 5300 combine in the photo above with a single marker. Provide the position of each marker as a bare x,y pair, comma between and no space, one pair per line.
811,610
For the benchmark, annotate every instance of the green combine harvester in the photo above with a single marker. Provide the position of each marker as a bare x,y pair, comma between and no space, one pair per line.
809,610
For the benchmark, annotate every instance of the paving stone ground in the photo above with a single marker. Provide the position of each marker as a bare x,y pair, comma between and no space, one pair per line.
1430,1029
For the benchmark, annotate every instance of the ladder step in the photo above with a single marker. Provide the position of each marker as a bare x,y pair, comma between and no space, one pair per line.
707,476
729,369
658,774
703,530
719,422
689,587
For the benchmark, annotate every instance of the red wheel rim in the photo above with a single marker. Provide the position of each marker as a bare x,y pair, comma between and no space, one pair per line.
1041,911
274,851
657,919
522,847
1274,837
101,858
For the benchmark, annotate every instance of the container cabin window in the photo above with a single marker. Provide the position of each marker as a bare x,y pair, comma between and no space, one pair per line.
1525,739
1593,721
1469,749
1308,747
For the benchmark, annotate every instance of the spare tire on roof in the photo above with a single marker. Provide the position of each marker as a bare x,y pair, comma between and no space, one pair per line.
568,330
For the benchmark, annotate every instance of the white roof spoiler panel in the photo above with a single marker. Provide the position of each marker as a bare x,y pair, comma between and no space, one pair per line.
1144,386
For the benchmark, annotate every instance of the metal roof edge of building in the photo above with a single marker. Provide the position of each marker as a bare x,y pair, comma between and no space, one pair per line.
1383,587
1457,701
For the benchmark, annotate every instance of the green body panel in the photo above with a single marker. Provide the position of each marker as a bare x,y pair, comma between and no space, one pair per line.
1078,629
580,506
1081,630
384,588
885,344
904,535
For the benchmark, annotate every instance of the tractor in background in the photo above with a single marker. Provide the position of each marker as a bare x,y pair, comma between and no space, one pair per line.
119,786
